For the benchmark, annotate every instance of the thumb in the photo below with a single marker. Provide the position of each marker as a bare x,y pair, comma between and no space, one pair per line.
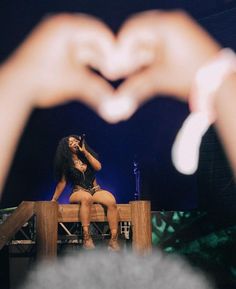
140,87
154,80
93,90
130,94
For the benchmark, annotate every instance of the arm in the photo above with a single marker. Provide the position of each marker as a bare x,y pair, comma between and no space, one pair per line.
93,161
91,157
14,111
59,189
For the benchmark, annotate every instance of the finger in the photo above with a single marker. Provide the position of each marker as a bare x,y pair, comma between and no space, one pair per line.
82,85
159,79
94,43
141,86
117,109
95,52
128,97
92,89
138,43
129,59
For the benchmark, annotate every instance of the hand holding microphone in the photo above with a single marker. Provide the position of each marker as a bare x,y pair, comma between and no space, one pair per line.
81,143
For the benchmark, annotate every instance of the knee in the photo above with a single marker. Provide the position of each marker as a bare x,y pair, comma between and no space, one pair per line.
87,201
112,205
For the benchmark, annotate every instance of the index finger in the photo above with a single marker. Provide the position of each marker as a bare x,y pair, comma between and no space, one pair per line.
94,42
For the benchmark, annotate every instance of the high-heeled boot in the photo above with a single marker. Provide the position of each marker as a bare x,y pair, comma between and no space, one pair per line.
113,244
87,241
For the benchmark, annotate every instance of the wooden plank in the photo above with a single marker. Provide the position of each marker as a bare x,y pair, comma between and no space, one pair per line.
70,213
141,226
15,221
46,229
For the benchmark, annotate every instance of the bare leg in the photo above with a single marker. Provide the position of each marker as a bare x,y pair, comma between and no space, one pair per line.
107,199
86,201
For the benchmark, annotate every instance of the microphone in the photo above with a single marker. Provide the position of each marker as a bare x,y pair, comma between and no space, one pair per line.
82,140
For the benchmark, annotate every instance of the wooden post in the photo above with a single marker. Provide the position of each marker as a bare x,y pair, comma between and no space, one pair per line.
5,268
46,229
141,226
15,221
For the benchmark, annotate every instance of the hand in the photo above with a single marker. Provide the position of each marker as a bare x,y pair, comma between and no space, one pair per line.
162,52
53,61
81,146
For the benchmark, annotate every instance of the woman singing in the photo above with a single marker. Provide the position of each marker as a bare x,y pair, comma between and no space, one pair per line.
77,164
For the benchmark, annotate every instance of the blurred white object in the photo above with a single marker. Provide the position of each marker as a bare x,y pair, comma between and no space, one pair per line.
185,151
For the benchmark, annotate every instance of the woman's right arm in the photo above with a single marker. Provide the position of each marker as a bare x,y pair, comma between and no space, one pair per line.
59,189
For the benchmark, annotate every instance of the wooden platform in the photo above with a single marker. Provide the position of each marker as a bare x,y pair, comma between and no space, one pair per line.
49,214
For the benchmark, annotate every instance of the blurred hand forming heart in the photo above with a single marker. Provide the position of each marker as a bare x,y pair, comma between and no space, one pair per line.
157,52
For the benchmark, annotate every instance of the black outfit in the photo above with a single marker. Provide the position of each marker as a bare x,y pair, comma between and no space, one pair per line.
84,180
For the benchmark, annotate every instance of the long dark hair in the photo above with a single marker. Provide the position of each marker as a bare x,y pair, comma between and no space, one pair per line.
63,162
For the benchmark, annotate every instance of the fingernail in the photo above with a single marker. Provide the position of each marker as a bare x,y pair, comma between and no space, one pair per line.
117,109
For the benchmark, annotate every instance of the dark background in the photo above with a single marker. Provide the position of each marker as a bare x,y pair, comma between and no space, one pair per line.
147,137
